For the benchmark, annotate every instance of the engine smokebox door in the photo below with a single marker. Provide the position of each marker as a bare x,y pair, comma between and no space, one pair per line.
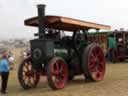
41,49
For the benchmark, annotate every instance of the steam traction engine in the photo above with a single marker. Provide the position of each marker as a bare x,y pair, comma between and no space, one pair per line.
118,46
58,56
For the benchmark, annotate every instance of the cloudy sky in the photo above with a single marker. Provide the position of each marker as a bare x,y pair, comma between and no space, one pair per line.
14,12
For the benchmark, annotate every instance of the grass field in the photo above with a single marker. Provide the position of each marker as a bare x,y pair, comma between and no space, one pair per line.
115,83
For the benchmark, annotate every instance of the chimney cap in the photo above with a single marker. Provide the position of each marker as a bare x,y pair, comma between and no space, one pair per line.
41,5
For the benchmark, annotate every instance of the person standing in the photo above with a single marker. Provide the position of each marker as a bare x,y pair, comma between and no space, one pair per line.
11,60
4,70
112,45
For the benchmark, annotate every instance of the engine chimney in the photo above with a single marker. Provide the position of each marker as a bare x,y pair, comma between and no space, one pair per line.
41,20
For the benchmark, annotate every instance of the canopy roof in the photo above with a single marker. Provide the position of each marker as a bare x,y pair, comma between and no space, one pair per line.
64,23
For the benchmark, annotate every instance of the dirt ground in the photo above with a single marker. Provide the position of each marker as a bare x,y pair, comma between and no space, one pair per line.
115,83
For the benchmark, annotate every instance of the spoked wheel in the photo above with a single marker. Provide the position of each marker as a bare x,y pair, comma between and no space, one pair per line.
26,75
93,62
57,73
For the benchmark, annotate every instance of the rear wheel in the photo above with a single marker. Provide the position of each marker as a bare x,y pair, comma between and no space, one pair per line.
57,73
26,75
93,62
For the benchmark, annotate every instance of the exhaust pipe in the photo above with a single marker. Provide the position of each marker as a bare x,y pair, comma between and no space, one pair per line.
41,20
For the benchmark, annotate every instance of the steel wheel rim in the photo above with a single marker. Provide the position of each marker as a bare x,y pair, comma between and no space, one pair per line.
59,73
97,63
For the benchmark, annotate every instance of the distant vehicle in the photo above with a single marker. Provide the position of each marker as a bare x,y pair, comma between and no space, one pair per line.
119,49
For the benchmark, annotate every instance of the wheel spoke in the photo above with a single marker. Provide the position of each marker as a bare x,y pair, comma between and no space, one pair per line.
93,69
32,81
29,81
94,52
57,66
25,68
29,67
101,67
55,73
26,80
92,56
24,73
55,69
26,65
25,77
92,61
98,74
61,67
99,54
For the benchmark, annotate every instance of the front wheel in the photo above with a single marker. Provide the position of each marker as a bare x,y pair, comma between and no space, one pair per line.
93,62
27,77
57,73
